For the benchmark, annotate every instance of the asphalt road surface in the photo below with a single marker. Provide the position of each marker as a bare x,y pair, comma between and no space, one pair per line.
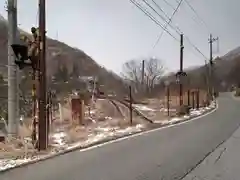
166,154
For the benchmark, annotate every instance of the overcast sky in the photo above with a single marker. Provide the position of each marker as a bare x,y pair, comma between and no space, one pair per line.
114,31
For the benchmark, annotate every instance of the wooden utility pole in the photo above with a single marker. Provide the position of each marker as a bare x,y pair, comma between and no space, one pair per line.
143,72
181,72
34,110
42,124
34,47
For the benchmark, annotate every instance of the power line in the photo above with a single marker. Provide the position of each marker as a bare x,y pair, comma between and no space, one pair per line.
175,11
196,48
165,14
167,24
165,27
169,18
151,17
160,15
157,5
170,5
197,15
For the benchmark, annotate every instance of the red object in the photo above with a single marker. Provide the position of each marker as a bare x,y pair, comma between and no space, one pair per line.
76,103
2,138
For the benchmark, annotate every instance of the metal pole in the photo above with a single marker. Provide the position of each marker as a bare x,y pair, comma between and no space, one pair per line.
12,70
130,106
181,70
42,78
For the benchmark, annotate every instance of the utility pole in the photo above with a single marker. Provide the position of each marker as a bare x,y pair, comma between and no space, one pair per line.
35,33
42,121
12,70
181,72
143,72
211,69
34,110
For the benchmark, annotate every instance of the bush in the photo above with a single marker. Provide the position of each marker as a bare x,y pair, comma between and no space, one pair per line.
183,110
237,92
206,103
216,94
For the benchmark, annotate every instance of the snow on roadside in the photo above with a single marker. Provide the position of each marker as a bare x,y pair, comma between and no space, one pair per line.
59,139
165,110
60,143
142,107
10,163
193,113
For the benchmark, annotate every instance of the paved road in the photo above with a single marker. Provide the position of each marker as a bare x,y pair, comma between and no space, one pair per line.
222,164
167,154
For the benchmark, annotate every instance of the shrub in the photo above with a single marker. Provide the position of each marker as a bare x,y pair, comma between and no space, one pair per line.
216,94
237,92
183,110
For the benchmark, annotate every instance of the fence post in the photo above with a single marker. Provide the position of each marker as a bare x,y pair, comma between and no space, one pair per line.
130,106
81,112
197,99
188,97
168,100
193,100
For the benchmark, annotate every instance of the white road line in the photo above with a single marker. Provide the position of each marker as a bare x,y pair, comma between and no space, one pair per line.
146,132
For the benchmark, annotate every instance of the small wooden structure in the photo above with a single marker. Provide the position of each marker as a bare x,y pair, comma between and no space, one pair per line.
77,108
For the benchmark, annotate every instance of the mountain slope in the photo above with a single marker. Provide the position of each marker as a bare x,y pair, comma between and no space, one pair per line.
60,55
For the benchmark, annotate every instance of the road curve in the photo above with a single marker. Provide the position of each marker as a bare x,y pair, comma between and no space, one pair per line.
166,154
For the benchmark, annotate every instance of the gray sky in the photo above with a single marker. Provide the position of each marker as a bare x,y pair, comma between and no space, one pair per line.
114,31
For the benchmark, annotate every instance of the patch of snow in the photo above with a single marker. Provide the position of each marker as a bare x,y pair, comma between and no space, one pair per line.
195,112
61,144
163,122
175,119
143,108
9,163
108,118
165,110
186,116
91,112
59,138
213,104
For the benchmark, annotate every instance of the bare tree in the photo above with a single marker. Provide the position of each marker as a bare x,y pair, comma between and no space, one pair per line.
153,72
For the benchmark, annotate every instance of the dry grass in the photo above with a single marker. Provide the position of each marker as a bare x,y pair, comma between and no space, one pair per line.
161,103
103,115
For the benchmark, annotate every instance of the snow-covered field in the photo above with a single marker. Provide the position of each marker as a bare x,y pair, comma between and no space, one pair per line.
60,140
